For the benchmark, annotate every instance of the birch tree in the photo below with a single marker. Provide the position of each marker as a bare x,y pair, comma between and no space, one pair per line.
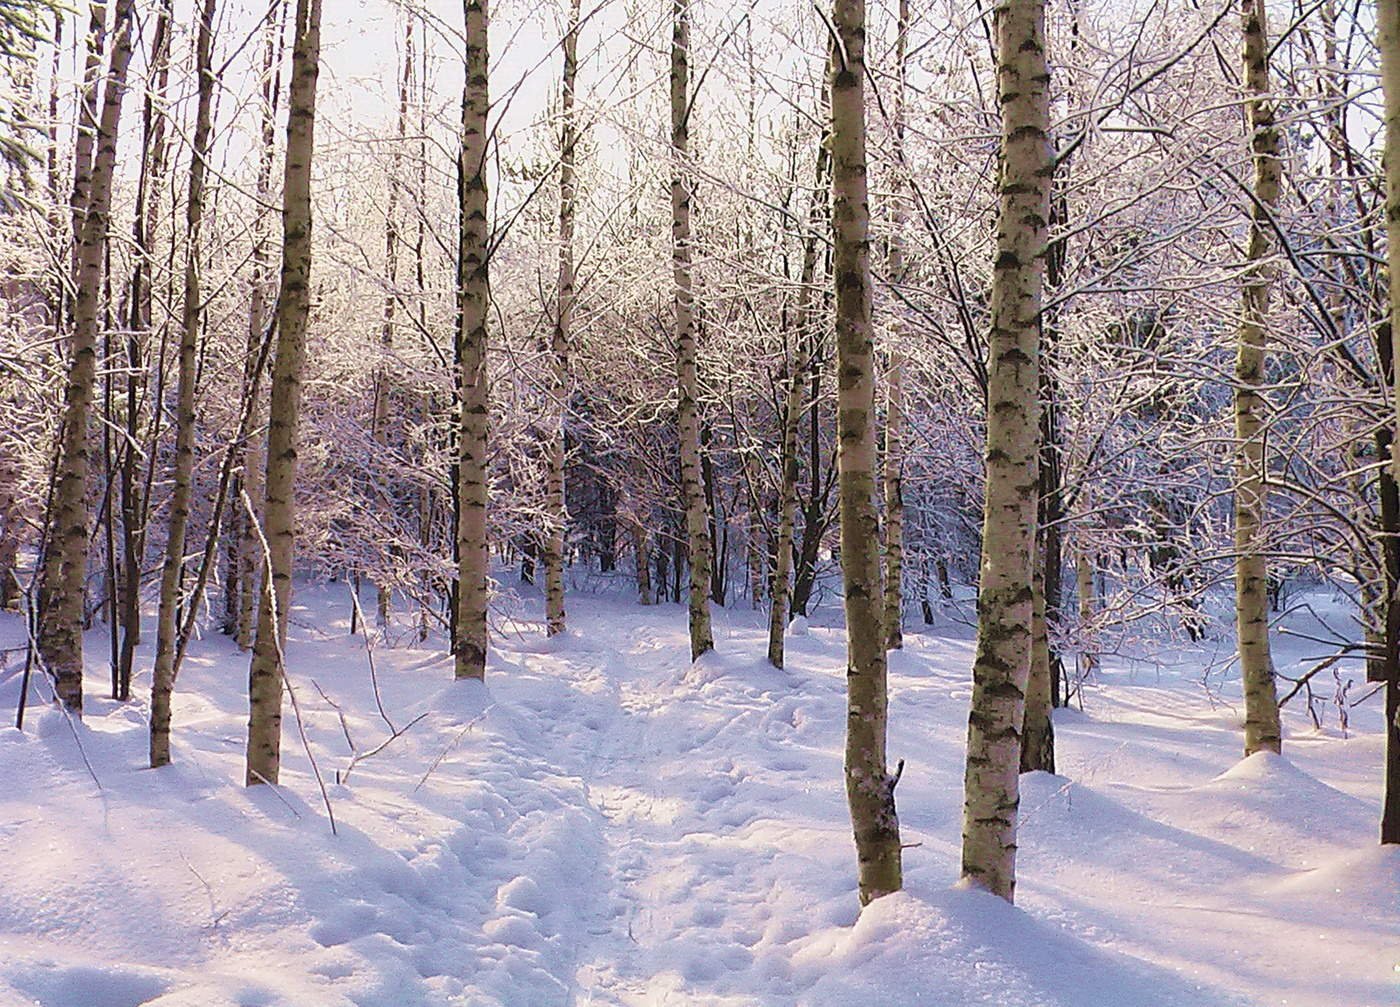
64,571
1001,666
698,546
473,302
266,674
555,510
869,784
794,396
1388,25
894,371
163,676
1261,719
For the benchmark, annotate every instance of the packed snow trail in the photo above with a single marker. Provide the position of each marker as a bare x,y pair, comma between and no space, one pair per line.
604,823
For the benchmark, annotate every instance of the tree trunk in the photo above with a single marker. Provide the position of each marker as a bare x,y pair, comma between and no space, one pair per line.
145,221
1038,731
10,525
643,558
86,138
379,421
1388,39
65,562
558,376
163,677
869,785
698,551
794,404
894,382
1084,582
1001,667
265,677
473,296
1261,717
250,561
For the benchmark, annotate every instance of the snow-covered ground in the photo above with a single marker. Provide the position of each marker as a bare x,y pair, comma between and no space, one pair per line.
601,823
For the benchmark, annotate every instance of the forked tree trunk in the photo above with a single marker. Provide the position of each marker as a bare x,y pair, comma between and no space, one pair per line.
1261,717
65,562
1388,25
163,677
869,784
556,509
473,296
699,551
1001,666
794,402
265,676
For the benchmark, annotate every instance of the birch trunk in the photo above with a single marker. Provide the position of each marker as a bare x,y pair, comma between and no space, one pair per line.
1038,731
869,785
1084,583
265,676
85,138
556,508
894,381
142,293
643,557
699,552
250,560
795,401
1388,32
1261,717
10,525
1001,666
379,421
473,295
754,548
65,566
163,677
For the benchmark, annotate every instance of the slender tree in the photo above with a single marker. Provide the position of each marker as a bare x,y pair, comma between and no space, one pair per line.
1261,719
558,377
1388,25
869,784
141,299
699,551
383,378
794,404
64,569
267,671
244,527
894,370
163,677
1001,666
473,302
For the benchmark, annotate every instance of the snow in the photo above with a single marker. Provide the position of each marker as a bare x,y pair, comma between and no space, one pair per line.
604,823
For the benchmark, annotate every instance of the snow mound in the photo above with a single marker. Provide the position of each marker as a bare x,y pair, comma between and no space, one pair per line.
1366,881
961,947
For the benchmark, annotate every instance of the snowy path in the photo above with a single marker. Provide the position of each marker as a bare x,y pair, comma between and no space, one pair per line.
605,824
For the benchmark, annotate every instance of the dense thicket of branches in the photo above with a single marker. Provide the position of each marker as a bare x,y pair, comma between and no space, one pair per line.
635,216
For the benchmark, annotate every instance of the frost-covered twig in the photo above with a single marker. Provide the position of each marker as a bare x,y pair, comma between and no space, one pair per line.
451,745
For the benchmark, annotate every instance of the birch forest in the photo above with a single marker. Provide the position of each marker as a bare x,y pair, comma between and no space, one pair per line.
666,502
